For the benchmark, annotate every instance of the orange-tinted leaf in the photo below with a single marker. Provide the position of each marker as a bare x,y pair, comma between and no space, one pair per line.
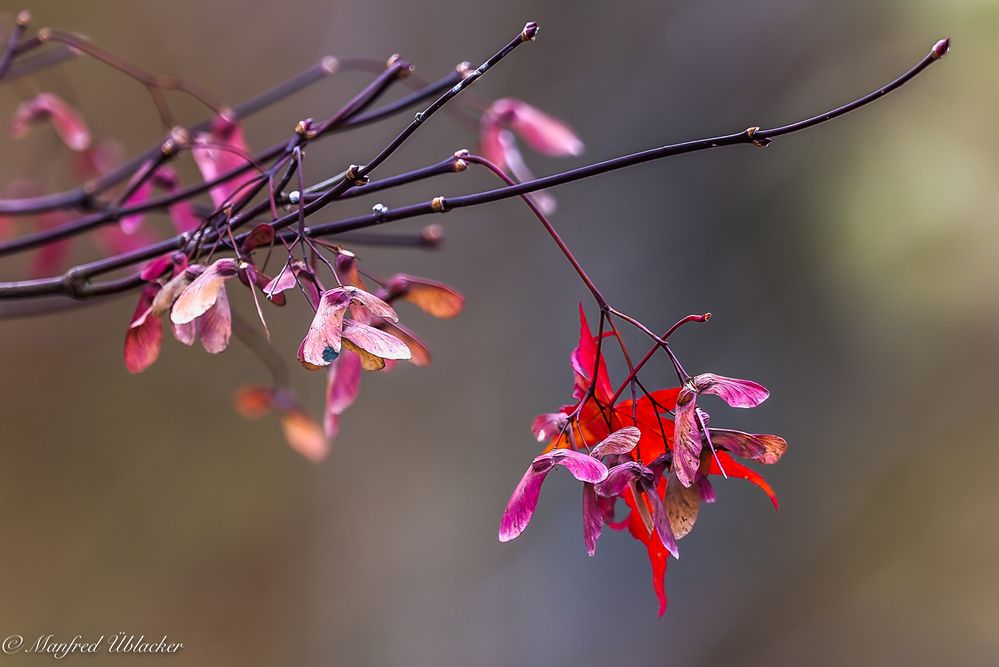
420,352
253,402
305,435
432,297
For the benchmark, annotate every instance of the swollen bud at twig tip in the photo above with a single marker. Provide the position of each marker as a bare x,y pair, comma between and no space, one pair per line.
530,32
460,164
294,196
706,316
329,64
405,69
23,17
941,48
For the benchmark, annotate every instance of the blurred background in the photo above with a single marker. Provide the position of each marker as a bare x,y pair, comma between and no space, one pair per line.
850,269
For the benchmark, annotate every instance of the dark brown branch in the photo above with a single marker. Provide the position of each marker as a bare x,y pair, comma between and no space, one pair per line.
112,214
75,282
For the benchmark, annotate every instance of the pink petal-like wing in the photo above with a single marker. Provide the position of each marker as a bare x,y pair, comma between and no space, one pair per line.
707,490
155,269
261,235
215,325
51,257
620,441
142,342
341,389
282,282
547,426
131,223
309,281
686,439
620,476
375,341
203,291
183,217
65,121
542,132
324,340
766,449
737,393
218,153
593,519
372,303
185,333
660,519
583,467
522,173
262,281
523,502
490,142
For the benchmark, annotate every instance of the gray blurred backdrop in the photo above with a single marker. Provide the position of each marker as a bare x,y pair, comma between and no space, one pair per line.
850,269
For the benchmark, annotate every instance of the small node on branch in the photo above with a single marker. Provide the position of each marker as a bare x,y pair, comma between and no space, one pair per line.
73,282
460,162
329,64
304,129
464,68
530,32
941,48
23,18
228,115
293,196
759,143
178,138
439,204
353,175
44,35
379,210
433,236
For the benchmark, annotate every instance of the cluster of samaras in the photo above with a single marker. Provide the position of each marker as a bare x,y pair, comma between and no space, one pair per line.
656,450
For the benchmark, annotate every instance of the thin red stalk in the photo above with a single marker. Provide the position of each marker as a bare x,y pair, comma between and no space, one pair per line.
546,223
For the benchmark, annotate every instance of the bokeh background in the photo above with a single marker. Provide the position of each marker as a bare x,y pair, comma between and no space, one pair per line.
851,269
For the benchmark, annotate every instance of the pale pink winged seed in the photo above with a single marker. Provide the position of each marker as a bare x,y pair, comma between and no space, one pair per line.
620,441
